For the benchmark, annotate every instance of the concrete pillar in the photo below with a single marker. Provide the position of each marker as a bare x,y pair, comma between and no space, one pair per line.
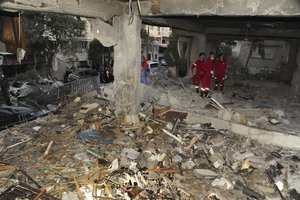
244,55
127,64
288,70
198,46
211,45
296,75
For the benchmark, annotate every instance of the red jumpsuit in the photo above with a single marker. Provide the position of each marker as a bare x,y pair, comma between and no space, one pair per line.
220,69
205,81
198,64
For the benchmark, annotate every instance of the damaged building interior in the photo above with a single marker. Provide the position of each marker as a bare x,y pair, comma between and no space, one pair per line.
162,140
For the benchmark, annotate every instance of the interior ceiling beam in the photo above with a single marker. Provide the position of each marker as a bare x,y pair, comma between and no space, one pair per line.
256,33
220,7
102,9
223,36
181,24
106,9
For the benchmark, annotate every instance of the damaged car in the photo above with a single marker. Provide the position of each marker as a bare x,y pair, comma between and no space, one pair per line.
22,89
10,115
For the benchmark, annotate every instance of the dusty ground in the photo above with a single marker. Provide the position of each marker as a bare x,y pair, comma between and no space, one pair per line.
152,159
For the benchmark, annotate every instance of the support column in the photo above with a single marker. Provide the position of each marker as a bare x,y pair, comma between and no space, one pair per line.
288,70
211,45
198,46
127,64
296,76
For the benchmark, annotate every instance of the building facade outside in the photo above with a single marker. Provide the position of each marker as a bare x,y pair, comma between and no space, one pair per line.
158,43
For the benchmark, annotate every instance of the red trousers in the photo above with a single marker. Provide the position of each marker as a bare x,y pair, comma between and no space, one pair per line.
219,80
205,83
196,80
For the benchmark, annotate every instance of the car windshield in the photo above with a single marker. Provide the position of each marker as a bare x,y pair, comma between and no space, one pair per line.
153,65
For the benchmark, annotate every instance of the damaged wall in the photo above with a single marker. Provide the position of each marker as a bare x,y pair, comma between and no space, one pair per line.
103,32
2,47
296,76
12,33
288,71
265,57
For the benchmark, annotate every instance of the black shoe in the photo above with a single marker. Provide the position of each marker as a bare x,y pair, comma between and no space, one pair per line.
197,90
202,94
206,95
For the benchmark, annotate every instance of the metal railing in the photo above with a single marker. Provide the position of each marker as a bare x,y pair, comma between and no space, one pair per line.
83,86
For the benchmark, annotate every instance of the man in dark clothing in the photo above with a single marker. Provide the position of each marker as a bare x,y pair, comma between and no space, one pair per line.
5,90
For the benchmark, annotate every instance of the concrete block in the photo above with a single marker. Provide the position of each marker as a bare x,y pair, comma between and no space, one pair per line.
131,120
177,159
204,172
267,137
103,32
277,114
218,141
217,160
130,153
222,183
262,121
188,165
225,114
264,136
107,92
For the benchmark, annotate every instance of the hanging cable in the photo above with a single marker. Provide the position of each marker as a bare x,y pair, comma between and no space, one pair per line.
139,7
19,30
129,7
130,12
20,51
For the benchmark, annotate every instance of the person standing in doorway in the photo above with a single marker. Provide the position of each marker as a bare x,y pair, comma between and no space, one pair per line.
144,69
220,71
207,71
197,69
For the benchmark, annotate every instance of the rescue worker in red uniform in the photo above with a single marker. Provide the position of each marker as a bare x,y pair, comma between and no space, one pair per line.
197,69
207,71
220,71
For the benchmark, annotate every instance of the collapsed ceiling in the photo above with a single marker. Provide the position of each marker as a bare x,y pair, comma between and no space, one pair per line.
226,17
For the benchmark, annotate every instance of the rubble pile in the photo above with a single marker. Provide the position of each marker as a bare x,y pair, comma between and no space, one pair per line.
84,151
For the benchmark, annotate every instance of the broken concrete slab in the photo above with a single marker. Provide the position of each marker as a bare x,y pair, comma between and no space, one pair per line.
264,136
130,153
225,114
204,173
218,141
106,92
262,121
103,32
161,157
222,183
188,165
88,107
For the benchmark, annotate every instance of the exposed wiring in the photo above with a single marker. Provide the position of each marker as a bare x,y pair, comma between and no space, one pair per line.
19,20
139,7
129,7
130,12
